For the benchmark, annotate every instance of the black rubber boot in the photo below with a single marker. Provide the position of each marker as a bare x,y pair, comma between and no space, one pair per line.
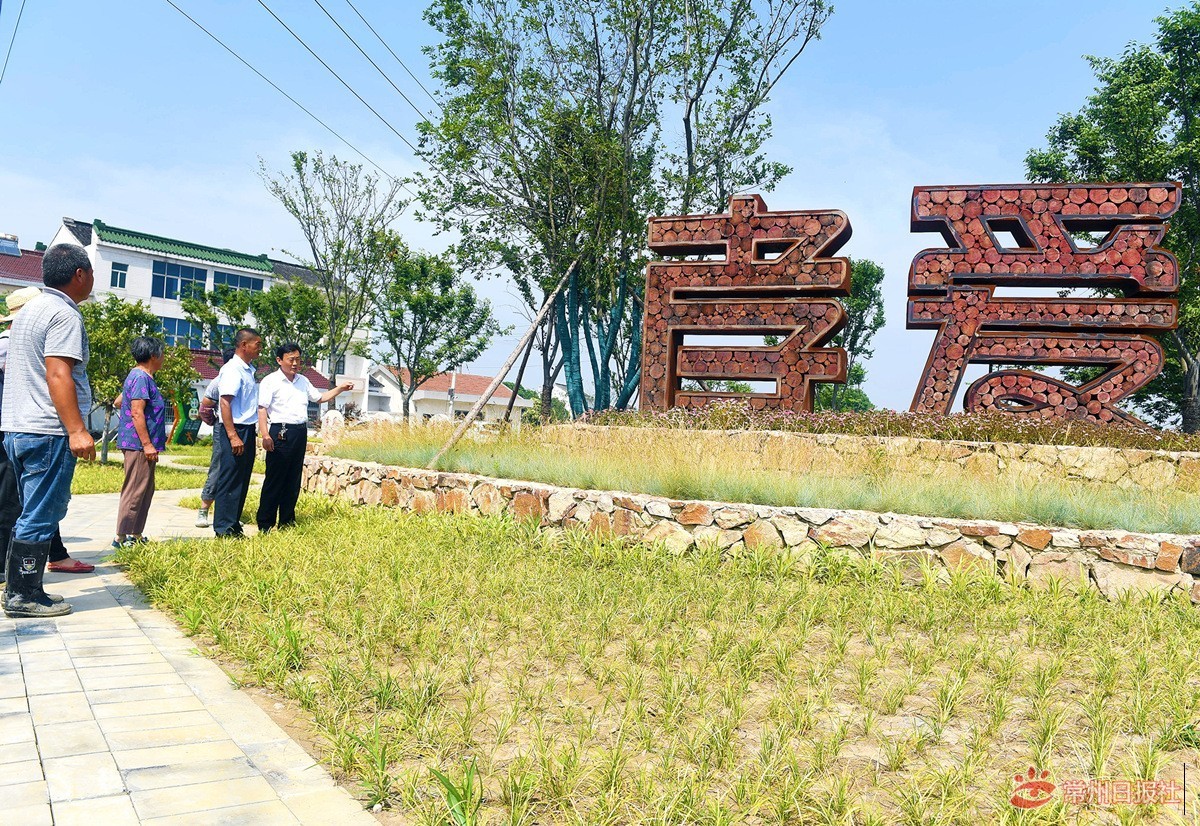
23,594
7,538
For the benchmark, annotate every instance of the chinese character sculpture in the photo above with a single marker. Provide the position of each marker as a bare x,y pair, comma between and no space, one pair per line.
771,278
953,291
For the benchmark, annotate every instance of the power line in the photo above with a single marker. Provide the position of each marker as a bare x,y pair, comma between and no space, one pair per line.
351,89
393,54
349,37
275,86
11,42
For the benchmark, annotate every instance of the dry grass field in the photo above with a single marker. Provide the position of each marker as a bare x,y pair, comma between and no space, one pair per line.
647,461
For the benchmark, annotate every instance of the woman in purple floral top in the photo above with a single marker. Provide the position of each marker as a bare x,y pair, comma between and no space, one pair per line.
141,434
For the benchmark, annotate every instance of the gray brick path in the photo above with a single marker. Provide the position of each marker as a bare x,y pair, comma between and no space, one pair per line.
109,716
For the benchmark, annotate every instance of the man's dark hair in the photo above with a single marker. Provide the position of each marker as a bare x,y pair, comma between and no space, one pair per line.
227,354
244,334
61,262
144,348
285,348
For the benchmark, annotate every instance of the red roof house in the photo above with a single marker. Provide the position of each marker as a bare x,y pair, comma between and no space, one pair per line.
17,271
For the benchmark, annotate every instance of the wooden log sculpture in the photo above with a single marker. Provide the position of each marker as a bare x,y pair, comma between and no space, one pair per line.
953,291
771,279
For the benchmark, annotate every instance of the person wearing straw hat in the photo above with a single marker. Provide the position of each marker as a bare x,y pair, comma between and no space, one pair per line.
10,502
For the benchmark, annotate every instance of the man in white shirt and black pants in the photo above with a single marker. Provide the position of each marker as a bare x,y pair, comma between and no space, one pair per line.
233,437
283,399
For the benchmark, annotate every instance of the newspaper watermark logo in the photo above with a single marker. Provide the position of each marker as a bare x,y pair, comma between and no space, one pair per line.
1033,789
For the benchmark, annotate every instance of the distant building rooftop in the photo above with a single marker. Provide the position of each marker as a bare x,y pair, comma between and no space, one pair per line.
208,363
21,270
168,246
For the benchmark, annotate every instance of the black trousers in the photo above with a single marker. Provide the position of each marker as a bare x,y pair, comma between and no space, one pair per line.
281,487
10,497
233,480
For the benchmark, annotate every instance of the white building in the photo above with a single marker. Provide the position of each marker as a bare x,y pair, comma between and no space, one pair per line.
158,271
433,398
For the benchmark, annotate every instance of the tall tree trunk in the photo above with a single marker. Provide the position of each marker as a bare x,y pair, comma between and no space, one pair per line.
107,435
633,372
1191,397
550,370
517,384
568,336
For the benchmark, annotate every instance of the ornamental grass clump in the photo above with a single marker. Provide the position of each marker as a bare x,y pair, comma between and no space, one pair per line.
689,465
967,427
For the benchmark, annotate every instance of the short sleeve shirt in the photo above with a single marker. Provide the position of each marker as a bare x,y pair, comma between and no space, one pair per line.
286,401
141,385
3,365
237,379
210,392
49,325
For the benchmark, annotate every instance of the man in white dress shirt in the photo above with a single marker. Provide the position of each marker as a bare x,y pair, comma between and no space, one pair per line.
283,399
233,438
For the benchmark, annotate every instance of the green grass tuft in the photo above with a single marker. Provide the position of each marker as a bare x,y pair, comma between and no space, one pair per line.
603,681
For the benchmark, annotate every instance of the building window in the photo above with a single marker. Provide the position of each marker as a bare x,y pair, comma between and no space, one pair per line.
340,368
177,280
237,282
119,271
179,331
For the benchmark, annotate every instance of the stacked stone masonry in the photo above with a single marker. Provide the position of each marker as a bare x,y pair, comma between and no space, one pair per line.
1111,561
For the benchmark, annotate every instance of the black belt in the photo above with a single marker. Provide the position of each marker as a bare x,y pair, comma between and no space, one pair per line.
279,430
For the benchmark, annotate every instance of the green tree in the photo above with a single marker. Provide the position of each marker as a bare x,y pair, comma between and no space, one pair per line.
287,312
1143,124
864,318
564,124
556,411
341,210
428,319
175,379
218,314
848,396
111,325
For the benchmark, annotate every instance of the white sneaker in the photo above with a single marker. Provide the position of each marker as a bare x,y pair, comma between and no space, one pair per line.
202,518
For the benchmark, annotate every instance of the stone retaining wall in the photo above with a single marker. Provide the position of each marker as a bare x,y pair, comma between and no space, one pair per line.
1111,561
799,453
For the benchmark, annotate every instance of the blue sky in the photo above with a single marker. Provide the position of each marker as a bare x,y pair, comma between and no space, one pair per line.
128,113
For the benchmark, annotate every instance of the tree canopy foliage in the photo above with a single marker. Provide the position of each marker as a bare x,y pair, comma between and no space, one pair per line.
562,125
288,311
341,210
112,325
429,321
1143,124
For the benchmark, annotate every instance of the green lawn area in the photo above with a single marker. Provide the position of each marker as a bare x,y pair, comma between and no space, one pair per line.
199,456
680,465
93,477
600,681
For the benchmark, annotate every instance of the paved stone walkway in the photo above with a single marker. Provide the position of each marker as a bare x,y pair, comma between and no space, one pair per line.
109,716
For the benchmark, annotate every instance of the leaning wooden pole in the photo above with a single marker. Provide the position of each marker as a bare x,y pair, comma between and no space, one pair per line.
487,394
